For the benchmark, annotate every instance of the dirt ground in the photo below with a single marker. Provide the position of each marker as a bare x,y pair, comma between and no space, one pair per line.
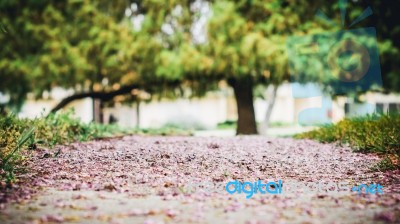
137,179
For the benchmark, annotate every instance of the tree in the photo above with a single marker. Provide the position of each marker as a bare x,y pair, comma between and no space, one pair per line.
240,49
246,41
100,56
350,20
88,46
72,44
100,50
384,19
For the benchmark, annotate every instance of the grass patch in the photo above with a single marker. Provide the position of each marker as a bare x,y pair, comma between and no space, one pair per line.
12,138
229,124
113,130
389,162
18,134
370,134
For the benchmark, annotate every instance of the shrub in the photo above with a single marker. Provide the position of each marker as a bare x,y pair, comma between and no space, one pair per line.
63,128
14,133
387,163
17,133
229,124
376,133
60,128
370,134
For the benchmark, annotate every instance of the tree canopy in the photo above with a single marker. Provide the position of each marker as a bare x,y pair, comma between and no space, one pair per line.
103,49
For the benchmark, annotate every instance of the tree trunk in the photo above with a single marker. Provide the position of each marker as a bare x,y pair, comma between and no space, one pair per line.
243,89
137,113
98,111
268,113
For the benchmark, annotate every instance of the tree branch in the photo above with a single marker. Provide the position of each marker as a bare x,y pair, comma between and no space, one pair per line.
104,96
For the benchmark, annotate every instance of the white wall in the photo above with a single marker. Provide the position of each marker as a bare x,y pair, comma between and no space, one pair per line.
32,109
205,112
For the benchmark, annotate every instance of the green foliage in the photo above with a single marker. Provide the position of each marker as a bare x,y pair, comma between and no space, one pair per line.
371,134
229,124
113,130
17,134
88,45
387,163
109,130
280,124
388,36
241,44
14,133
62,128
375,133
165,131
71,44
56,129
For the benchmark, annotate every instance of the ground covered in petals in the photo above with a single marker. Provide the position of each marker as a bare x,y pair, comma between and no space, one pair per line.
137,179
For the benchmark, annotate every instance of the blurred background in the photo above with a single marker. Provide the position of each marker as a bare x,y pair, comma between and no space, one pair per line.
217,67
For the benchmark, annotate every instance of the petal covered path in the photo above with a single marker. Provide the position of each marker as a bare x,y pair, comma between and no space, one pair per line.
138,179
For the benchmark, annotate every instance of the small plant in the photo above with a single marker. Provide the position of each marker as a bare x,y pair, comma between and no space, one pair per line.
62,128
387,163
11,141
17,134
374,133
379,133
229,124
56,129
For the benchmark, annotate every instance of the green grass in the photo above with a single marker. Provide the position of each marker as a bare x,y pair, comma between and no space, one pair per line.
370,134
231,124
389,162
113,130
18,134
